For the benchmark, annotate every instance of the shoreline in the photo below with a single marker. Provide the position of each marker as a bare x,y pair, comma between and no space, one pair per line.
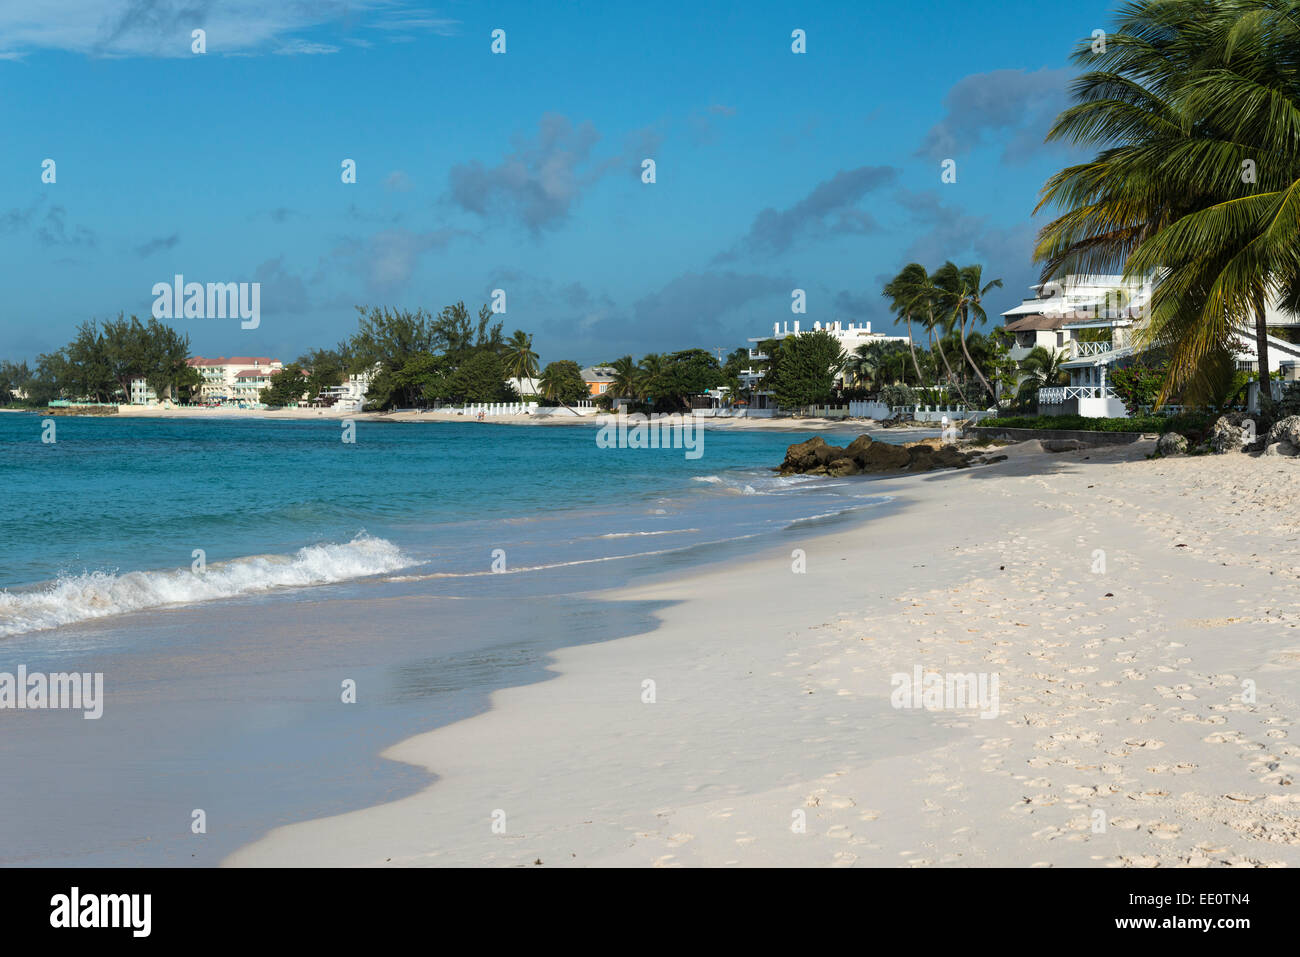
782,424
1120,694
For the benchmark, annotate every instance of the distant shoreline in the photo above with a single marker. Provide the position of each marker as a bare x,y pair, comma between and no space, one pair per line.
310,415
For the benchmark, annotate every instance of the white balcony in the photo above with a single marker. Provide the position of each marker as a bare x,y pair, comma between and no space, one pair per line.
1057,394
1084,350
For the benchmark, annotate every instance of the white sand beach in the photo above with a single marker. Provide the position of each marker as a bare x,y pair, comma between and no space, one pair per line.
559,418
1128,607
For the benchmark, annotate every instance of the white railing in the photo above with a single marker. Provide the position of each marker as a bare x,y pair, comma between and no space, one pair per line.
1081,350
1056,394
937,413
491,408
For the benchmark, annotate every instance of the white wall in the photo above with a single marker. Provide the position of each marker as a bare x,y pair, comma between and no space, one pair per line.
1102,408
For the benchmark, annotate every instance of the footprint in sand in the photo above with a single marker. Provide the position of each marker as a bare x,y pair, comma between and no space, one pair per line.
1164,830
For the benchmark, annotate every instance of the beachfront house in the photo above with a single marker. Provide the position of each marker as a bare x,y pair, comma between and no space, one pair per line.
850,336
249,384
598,379
141,394
1093,321
219,376
350,395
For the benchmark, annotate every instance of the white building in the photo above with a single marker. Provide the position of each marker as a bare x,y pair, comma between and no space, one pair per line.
525,386
141,394
850,337
220,374
1093,321
351,395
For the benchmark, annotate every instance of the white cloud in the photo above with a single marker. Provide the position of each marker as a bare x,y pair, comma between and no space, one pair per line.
162,28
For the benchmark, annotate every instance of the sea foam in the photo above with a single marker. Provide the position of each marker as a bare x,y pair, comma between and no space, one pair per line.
100,594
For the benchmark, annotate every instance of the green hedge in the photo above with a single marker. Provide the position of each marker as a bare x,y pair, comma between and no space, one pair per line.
1184,423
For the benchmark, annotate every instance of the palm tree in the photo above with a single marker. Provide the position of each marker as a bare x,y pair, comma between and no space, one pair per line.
944,311
551,384
520,359
1181,97
866,363
1040,368
627,378
907,294
971,306
651,374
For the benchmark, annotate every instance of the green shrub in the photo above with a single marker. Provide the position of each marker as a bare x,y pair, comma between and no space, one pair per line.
1185,423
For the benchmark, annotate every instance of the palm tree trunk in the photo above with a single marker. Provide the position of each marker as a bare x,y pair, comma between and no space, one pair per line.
1261,349
912,347
980,375
938,344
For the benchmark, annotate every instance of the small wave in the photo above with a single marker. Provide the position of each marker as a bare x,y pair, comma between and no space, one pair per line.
669,531
522,569
75,598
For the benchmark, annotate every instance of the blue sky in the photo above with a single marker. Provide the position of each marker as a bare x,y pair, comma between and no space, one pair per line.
519,171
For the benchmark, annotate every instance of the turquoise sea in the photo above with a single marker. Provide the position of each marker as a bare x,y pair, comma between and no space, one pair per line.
225,576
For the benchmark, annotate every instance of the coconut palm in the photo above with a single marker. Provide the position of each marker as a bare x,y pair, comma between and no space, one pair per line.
520,359
876,364
1180,98
948,286
907,294
551,382
627,378
653,367
971,307
1040,368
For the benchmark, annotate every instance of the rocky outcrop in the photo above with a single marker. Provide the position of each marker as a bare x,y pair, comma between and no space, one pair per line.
806,456
1226,436
1171,443
816,457
1285,430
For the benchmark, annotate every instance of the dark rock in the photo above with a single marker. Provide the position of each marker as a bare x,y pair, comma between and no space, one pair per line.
1285,430
858,447
948,457
1171,443
883,457
1226,436
802,456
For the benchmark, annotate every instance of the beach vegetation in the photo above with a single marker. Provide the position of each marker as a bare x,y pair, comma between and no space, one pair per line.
1193,109
804,368
561,382
1185,423
287,386
102,360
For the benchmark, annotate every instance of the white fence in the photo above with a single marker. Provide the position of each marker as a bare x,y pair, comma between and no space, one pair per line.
868,410
1056,394
1090,401
742,413
491,408
937,413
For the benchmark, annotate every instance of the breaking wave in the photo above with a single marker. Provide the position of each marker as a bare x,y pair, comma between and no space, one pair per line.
100,594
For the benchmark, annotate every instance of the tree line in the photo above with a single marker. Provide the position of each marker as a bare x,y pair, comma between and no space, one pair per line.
101,361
